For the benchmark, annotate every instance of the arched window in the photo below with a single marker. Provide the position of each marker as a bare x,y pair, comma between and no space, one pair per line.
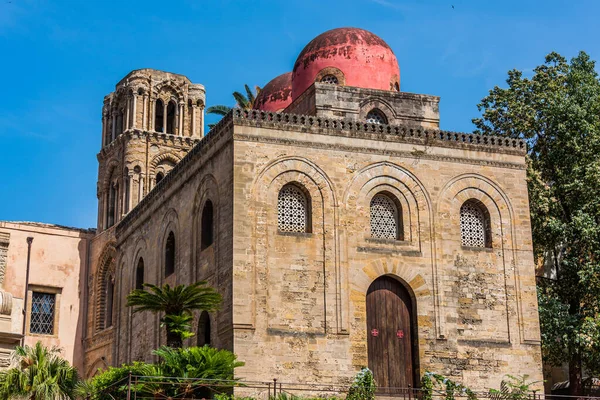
475,225
376,116
293,209
331,79
159,120
159,177
170,254
206,234
386,219
139,274
204,329
396,86
171,108
110,295
127,193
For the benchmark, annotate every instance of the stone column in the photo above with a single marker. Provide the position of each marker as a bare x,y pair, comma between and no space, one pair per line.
114,125
103,130
128,114
145,114
165,119
202,121
193,119
181,120
152,116
133,120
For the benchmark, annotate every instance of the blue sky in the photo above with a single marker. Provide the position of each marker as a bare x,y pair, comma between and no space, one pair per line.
59,59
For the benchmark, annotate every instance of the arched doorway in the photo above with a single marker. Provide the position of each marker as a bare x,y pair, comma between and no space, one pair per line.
391,334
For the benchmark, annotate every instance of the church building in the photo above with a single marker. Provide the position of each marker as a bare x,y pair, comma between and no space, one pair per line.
342,227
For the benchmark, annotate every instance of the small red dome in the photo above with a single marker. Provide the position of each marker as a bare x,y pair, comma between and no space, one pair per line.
275,95
362,57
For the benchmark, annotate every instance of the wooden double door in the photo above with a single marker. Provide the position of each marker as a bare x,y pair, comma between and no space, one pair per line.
390,333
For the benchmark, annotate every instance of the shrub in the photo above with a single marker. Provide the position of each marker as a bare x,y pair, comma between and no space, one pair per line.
363,387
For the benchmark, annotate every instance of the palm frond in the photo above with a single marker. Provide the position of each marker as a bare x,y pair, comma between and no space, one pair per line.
218,109
241,100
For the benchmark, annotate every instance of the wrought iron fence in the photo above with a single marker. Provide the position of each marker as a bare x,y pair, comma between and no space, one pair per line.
158,388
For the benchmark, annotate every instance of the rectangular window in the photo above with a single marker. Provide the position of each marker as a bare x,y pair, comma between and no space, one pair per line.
42,313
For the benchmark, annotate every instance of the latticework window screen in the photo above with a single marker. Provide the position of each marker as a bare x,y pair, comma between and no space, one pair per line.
292,210
375,116
472,225
42,313
384,217
331,79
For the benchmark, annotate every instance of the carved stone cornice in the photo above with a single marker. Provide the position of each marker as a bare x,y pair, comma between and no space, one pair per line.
153,137
415,155
392,133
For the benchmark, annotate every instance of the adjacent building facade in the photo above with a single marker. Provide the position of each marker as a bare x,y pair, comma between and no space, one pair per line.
341,226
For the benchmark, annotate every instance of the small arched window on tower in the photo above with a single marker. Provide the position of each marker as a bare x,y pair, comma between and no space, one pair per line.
204,329
329,78
475,227
171,111
376,116
159,120
386,217
139,274
170,254
159,177
207,231
293,210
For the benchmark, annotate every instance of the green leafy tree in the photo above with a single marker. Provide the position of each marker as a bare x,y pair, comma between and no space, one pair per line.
557,111
177,304
243,101
38,373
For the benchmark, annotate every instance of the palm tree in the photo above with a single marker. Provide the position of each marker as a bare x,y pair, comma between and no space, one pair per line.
245,102
38,373
177,304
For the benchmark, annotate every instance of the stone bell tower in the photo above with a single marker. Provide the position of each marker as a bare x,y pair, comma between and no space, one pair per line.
151,120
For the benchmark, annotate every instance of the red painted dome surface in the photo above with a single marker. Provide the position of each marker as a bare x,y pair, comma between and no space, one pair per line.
276,95
363,57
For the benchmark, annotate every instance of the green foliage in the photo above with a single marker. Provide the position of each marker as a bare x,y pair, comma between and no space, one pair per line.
557,111
243,101
212,371
38,373
177,304
431,382
363,387
513,388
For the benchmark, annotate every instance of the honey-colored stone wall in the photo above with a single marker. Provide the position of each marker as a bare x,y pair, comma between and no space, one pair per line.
299,299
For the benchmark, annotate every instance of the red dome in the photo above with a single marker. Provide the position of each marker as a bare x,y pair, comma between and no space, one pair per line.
276,95
363,58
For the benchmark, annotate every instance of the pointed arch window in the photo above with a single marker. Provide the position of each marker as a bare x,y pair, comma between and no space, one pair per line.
105,294
204,329
293,208
376,116
207,231
386,217
170,254
139,274
475,227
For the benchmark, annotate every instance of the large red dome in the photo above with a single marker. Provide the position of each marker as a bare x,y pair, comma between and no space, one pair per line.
353,56
275,95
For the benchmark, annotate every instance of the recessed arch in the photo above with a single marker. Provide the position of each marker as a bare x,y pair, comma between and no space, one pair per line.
139,274
386,216
170,254
204,329
159,116
105,285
